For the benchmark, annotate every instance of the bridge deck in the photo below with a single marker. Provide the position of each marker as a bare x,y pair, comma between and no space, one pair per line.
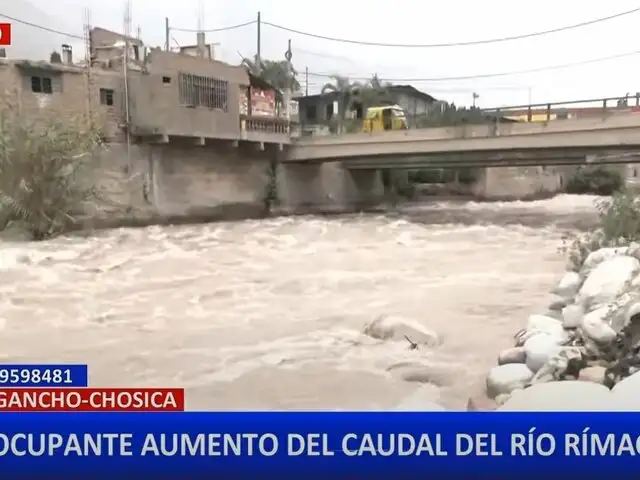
587,134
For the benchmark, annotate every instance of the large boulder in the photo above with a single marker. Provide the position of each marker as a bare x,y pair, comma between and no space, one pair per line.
595,326
507,378
594,259
567,396
398,328
568,286
606,281
542,324
572,316
540,349
512,355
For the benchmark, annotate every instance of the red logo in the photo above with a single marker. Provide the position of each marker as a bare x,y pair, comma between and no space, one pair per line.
5,34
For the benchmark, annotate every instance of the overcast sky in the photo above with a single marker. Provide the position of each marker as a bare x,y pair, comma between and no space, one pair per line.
400,21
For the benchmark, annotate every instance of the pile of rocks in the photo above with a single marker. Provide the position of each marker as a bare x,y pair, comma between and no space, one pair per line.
583,354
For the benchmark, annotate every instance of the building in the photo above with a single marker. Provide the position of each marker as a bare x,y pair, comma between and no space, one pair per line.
322,108
185,132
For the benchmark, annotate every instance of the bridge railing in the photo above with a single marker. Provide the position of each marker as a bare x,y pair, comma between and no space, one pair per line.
444,115
546,112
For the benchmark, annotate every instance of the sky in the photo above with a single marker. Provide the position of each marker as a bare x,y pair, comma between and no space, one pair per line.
400,21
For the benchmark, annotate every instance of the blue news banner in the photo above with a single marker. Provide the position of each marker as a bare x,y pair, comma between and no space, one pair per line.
43,376
338,445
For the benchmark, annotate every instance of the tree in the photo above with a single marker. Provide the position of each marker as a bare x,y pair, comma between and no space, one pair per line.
55,57
280,74
46,172
346,93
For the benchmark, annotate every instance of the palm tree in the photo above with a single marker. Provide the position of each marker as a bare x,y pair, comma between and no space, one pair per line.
280,74
348,93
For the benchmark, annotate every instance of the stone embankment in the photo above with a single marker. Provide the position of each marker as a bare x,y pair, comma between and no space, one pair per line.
583,353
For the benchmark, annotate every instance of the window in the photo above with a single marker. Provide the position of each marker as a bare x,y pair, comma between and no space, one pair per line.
195,90
166,80
41,85
312,112
106,97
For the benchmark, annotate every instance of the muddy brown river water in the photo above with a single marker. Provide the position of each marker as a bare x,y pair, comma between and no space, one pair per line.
267,314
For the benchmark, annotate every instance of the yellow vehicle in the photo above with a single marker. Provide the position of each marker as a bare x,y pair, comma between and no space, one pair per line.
386,117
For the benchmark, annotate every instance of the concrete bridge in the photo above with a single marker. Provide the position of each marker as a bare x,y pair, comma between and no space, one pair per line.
559,142
331,172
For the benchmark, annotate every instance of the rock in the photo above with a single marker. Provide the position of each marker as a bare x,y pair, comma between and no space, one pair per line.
632,313
422,400
568,396
512,355
568,286
572,316
596,258
564,365
607,281
481,403
595,326
539,349
543,323
595,374
558,305
626,393
506,378
398,328
555,314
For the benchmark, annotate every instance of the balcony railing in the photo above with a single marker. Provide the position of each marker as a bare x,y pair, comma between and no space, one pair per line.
265,125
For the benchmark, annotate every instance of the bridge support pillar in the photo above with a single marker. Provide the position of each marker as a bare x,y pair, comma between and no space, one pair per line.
327,187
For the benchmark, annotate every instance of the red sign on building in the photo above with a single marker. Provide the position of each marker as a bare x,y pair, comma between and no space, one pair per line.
5,34
263,102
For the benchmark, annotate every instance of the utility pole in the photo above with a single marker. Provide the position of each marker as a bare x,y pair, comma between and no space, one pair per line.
167,34
306,81
259,46
287,92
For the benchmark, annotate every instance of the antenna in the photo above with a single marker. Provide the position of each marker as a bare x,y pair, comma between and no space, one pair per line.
200,15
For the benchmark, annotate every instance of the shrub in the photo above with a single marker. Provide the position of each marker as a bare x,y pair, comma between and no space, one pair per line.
618,225
44,174
598,180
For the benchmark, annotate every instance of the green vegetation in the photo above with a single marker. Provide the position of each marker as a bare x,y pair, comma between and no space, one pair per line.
596,180
44,174
280,74
618,225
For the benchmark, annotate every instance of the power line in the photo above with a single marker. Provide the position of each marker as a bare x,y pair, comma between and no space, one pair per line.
454,44
46,29
222,29
485,75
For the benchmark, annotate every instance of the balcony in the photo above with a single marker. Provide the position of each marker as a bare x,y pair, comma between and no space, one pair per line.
265,129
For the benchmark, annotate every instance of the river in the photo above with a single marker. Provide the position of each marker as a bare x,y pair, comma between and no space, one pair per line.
267,314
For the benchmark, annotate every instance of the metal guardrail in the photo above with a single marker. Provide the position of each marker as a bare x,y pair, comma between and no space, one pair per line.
445,117
563,110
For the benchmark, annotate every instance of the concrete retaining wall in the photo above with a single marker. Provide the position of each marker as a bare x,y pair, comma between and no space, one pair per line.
176,184
518,183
